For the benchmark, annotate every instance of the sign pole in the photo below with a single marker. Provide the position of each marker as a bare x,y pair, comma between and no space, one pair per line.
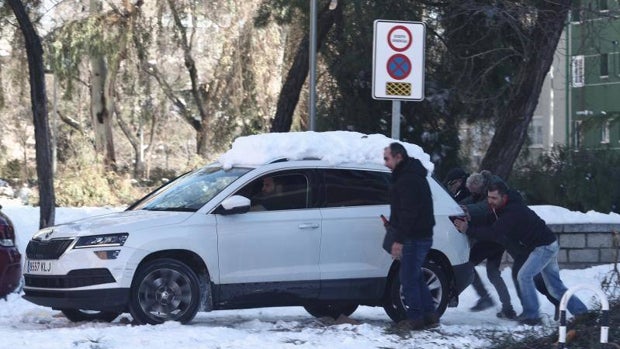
312,67
396,119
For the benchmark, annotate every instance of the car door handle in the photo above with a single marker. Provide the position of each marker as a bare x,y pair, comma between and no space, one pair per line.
308,226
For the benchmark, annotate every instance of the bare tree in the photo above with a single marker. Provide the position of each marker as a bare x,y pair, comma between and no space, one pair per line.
511,131
217,94
135,135
289,94
103,80
197,91
38,97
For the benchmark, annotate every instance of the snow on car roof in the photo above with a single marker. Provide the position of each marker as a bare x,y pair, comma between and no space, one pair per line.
334,147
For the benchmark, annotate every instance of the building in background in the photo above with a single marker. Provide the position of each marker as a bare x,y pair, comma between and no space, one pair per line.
549,122
594,86
579,105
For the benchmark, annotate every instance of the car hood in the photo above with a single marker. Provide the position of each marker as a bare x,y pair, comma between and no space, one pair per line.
118,222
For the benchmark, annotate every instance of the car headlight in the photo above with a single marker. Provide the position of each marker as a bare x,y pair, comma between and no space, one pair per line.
105,240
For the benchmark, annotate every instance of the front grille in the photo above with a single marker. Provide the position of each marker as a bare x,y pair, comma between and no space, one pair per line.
51,249
75,278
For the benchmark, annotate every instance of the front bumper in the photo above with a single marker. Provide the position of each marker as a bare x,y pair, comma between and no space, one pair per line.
111,299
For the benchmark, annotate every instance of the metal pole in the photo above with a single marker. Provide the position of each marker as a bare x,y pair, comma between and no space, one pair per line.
312,82
396,119
54,124
567,78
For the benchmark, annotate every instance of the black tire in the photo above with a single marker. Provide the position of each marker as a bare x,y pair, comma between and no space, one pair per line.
77,315
333,310
438,284
164,290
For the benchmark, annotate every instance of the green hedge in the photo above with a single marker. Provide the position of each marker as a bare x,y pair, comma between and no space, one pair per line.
578,180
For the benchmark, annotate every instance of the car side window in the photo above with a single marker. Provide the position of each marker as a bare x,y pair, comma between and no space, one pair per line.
275,192
355,188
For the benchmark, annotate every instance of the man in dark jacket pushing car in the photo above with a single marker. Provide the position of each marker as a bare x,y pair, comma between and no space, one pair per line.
517,224
411,221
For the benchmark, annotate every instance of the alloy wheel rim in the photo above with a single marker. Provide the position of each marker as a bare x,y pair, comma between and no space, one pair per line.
434,285
165,294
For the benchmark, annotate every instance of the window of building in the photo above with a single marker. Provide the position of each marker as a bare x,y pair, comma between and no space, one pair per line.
613,60
356,188
604,65
605,132
602,5
577,134
578,71
536,131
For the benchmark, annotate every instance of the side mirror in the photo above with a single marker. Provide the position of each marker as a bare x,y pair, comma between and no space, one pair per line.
234,205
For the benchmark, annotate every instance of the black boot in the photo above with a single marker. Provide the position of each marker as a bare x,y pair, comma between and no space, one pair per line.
483,303
507,313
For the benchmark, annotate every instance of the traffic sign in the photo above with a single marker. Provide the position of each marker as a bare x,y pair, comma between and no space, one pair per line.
398,66
398,60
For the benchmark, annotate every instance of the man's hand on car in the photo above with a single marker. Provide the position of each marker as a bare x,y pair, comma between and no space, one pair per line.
461,225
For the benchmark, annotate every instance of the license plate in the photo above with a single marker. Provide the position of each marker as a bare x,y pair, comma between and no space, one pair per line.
39,267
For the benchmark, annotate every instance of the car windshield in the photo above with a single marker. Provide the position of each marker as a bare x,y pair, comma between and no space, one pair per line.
190,191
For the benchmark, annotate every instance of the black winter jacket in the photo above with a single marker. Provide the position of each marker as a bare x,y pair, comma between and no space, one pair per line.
517,227
411,202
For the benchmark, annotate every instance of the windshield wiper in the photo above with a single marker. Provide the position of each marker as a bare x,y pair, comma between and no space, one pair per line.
172,209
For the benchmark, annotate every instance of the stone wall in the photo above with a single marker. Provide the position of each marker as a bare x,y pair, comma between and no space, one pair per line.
583,245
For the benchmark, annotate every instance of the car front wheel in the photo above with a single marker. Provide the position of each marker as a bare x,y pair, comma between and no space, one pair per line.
437,282
164,290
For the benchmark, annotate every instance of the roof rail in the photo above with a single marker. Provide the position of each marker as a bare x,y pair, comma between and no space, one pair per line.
276,160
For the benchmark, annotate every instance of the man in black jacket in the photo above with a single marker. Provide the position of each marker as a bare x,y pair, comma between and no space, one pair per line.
477,209
518,225
412,221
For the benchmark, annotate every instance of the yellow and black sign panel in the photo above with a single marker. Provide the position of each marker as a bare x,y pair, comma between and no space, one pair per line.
398,89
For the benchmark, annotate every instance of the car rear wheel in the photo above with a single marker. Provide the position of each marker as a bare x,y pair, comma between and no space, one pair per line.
164,290
333,310
437,282
77,315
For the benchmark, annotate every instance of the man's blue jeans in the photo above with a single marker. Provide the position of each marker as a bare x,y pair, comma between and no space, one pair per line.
415,290
544,260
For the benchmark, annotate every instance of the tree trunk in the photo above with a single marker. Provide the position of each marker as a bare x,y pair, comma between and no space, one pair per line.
136,144
289,94
511,131
202,138
101,99
39,114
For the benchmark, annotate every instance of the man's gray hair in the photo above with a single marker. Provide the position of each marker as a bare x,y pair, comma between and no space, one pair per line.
478,182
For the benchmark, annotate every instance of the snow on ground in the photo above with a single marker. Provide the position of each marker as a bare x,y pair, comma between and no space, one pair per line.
25,325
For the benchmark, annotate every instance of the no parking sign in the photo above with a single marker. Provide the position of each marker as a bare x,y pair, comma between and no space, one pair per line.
398,60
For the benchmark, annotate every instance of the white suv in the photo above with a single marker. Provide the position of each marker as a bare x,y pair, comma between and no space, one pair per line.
285,233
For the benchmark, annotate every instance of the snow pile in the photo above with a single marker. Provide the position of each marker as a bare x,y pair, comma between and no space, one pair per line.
335,147
561,215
